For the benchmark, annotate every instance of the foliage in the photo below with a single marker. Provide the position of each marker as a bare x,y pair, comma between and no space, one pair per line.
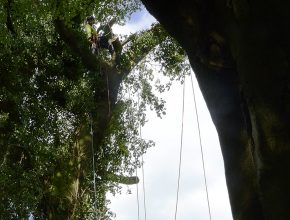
50,99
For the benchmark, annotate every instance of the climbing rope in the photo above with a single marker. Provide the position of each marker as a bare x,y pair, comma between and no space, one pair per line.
94,170
143,177
180,152
137,186
201,147
142,167
138,200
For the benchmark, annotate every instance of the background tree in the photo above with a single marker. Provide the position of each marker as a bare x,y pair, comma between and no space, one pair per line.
60,106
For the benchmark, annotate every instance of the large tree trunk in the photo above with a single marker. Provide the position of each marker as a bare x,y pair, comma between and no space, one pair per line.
240,53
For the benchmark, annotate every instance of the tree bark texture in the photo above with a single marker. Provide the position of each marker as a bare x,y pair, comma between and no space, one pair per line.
240,52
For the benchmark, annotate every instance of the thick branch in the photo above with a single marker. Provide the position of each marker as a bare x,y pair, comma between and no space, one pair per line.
142,45
9,23
127,180
77,45
139,48
128,39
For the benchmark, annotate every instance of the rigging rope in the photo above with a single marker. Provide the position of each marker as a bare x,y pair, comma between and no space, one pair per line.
201,147
137,187
94,172
142,167
180,152
143,177
138,202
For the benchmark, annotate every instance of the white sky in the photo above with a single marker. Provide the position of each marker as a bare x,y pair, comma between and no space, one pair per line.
161,162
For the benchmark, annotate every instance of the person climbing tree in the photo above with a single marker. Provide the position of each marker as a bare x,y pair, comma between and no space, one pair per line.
92,34
113,40
97,41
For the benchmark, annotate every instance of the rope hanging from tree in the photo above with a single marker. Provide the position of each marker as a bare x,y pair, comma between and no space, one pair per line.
94,169
143,182
180,152
143,175
137,185
201,147
138,200
201,150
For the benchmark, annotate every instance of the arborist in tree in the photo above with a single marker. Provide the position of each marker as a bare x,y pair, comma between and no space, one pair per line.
92,34
97,41
112,39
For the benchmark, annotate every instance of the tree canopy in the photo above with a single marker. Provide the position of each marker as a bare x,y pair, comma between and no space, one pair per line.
62,107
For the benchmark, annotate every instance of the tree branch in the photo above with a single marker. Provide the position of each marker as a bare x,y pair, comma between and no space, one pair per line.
139,49
141,46
77,45
127,180
128,39
9,23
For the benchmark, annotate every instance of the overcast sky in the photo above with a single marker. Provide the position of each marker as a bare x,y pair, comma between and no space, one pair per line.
161,162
